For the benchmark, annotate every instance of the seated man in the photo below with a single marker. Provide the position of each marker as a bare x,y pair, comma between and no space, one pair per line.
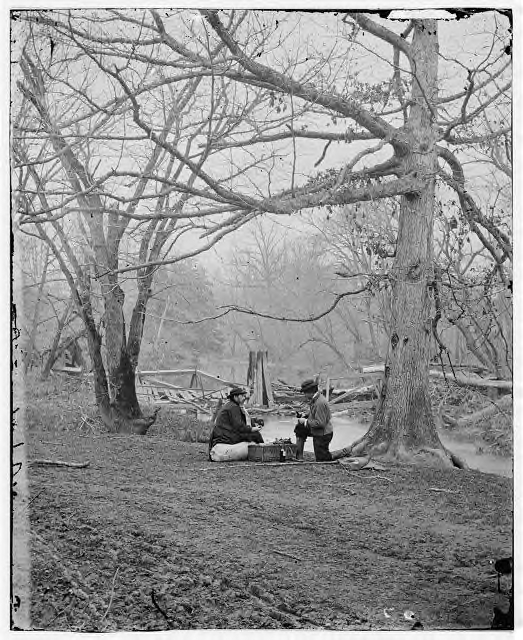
232,430
318,424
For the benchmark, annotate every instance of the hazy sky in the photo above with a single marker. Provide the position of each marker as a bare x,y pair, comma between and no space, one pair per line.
467,40
369,63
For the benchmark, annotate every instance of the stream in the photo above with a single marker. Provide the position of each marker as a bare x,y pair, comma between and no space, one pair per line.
347,431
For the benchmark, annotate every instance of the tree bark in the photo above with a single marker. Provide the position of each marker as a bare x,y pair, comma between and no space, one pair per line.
403,428
115,414
258,374
267,385
125,413
94,341
251,370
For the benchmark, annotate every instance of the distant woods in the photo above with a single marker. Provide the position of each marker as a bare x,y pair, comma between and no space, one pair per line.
364,167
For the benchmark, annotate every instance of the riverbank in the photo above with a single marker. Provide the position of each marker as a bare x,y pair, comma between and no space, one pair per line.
246,546
348,430
255,546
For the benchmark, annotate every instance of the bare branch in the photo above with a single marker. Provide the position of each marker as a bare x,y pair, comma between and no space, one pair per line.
471,210
381,32
480,85
347,136
261,314
323,153
456,140
351,109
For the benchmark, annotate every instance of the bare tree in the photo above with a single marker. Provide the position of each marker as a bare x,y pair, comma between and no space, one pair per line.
99,185
280,100
46,310
421,130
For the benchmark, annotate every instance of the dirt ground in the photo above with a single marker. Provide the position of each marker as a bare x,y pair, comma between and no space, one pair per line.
241,546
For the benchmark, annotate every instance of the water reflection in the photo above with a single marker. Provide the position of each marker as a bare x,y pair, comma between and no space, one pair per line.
347,431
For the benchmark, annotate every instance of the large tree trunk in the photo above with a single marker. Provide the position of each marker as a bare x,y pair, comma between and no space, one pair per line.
115,391
119,409
403,428
94,341
125,413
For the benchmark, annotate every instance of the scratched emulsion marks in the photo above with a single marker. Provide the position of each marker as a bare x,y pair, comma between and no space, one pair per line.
20,540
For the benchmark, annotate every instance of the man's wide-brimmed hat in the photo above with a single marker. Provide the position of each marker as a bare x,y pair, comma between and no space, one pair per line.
309,385
237,391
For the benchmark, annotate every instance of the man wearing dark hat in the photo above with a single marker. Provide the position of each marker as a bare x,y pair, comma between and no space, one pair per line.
233,430
317,424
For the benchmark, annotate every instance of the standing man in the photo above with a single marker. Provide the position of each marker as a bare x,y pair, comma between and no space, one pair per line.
232,430
318,424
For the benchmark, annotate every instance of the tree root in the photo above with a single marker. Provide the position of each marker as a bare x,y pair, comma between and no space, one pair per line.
458,462
400,454
118,422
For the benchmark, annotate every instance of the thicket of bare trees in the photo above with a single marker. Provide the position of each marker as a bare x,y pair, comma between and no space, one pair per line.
99,177
135,130
294,275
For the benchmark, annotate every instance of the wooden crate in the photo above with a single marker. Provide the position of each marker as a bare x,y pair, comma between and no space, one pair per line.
268,452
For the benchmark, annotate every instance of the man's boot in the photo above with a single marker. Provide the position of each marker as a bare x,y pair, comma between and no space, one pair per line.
300,444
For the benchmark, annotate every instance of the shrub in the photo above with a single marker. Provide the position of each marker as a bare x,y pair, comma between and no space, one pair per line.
60,403
186,427
65,403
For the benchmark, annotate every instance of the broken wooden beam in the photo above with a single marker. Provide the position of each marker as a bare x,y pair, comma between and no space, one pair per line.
226,383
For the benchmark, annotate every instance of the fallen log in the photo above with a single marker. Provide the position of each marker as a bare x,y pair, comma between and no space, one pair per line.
354,393
61,463
465,381
491,410
461,380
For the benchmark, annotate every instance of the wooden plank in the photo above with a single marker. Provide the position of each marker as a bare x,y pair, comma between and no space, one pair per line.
251,369
160,371
259,378
162,384
226,383
267,379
